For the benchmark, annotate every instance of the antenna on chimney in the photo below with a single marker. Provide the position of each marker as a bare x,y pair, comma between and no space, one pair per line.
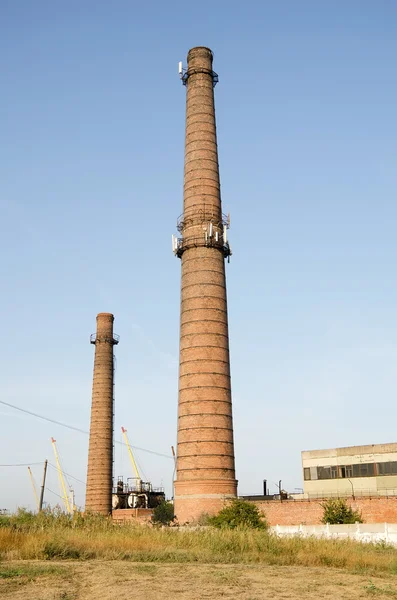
183,74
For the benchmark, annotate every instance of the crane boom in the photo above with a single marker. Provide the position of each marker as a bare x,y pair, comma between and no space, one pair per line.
134,465
34,489
65,496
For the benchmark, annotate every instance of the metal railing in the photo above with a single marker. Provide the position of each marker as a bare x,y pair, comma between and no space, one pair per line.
104,338
323,495
205,214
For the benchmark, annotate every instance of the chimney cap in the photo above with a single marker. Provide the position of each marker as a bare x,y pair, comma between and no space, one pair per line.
105,316
200,51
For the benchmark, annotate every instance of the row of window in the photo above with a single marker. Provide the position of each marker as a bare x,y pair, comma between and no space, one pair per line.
349,471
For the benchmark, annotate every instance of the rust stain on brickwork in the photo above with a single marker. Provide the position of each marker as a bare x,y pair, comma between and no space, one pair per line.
205,455
100,453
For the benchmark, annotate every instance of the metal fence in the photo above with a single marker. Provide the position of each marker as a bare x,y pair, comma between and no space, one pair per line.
322,495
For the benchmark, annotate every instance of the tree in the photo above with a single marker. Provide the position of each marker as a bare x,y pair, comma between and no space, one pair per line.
337,511
239,514
163,513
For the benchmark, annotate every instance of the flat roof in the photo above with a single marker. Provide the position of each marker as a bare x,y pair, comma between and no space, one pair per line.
351,450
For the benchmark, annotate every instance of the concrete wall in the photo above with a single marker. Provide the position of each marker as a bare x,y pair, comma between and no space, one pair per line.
310,512
362,486
361,532
376,453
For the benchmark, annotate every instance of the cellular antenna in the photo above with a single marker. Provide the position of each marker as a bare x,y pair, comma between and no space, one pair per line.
180,68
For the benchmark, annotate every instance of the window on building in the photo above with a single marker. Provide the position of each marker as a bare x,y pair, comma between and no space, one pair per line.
384,468
349,471
313,473
324,472
363,470
366,469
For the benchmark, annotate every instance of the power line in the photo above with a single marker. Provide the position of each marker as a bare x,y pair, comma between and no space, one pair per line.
68,474
23,464
33,414
29,412
55,494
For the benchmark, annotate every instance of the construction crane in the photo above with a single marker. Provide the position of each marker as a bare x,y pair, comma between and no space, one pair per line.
34,488
140,494
132,459
65,497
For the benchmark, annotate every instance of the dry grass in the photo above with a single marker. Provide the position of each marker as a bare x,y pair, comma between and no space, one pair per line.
144,544
89,580
94,558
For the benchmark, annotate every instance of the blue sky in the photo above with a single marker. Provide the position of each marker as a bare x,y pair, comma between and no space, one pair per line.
91,174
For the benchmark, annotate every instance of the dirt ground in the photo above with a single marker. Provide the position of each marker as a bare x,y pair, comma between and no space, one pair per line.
124,580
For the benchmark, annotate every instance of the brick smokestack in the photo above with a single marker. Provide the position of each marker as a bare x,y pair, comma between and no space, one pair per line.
205,456
100,453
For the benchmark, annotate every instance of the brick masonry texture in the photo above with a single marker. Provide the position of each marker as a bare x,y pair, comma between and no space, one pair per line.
302,512
305,512
100,453
140,515
205,450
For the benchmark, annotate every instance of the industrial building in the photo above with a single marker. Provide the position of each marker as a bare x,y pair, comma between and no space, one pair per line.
353,471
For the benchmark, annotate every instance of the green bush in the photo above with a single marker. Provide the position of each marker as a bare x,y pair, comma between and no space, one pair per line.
337,511
163,514
239,514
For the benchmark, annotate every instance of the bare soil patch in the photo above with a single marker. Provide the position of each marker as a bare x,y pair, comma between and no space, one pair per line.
106,580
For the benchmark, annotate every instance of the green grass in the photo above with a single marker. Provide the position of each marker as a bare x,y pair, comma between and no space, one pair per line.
374,590
30,572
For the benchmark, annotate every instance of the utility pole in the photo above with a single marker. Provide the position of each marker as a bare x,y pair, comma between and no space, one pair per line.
71,500
43,486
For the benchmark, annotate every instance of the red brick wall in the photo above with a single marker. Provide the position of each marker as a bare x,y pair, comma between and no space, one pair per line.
310,512
140,515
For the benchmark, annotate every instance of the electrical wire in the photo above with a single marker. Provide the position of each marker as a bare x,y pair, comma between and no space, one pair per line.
68,474
33,414
55,494
23,464
29,412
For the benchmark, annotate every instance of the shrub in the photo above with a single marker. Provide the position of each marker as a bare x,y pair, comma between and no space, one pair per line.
239,514
163,514
337,511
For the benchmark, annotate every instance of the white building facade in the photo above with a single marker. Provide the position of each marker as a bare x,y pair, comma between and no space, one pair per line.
353,471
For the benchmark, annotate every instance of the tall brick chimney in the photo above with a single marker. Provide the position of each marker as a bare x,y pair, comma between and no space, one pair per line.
205,456
100,453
